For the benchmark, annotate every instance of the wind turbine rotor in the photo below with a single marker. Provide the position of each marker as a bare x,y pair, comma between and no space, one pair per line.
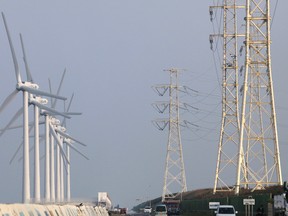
56,137
38,92
68,142
17,72
69,137
29,76
8,100
59,88
15,117
43,107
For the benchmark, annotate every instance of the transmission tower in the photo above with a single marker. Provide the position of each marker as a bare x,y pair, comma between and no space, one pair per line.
230,126
258,134
174,177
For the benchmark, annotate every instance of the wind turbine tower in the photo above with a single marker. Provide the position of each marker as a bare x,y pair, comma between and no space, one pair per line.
174,177
230,126
258,129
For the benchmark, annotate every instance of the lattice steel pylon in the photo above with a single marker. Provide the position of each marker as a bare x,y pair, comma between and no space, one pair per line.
258,130
174,176
230,126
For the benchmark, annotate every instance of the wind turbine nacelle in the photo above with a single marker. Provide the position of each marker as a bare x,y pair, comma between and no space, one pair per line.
63,129
67,140
42,100
31,85
38,99
27,84
55,121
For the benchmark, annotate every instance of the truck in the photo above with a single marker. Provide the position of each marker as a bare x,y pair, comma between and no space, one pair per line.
173,207
225,210
161,210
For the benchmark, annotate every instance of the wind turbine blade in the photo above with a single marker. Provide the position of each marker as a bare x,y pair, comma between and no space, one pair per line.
42,157
70,102
17,72
69,137
15,117
65,166
50,90
11,128
75,149
8,100
73,113
21,126
49,109
39,92
52,131
16,152
46,112
59,88
19,147
31,149
68,108
29,76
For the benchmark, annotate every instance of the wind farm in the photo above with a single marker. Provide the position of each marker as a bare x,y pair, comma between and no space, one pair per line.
54,130
104,140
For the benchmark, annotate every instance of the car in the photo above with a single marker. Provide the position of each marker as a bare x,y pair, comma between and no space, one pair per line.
161,210
148,209
225,210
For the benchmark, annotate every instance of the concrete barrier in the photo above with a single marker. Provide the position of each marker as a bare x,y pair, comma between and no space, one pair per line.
51,210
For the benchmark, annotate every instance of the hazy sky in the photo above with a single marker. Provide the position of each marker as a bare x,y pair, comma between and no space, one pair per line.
114,51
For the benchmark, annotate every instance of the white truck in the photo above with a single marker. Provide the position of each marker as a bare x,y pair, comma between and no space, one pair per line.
225,210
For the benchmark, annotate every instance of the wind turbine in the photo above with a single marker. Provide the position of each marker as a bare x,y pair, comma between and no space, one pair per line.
49,149
26,88
59,149
59,160
49,162
36,101
45,110
52,160
69,139
61,137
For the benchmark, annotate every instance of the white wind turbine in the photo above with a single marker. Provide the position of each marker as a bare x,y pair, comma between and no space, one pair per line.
49,152
27,88
60,135
50,123
49,189
50,139
68,140
49,135
49,161
47,114
49,157
68,176
64,138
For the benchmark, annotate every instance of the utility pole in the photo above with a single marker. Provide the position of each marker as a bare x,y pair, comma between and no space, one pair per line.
230,126
174,177
258,134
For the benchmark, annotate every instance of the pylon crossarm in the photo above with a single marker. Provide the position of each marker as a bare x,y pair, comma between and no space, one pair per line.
160,89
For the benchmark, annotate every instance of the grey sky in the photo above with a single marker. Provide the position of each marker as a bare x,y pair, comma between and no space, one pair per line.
114,51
